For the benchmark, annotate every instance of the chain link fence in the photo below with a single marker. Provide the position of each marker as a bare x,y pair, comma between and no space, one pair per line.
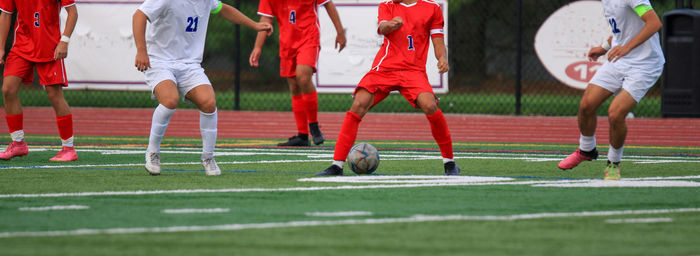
483,54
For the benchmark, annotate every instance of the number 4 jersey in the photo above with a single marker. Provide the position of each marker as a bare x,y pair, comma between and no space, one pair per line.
297,20
407,48
177,29
37,28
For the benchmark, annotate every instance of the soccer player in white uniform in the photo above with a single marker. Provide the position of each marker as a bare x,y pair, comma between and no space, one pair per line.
635,63
170,55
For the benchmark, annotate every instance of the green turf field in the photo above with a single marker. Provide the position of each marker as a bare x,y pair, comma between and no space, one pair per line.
511,200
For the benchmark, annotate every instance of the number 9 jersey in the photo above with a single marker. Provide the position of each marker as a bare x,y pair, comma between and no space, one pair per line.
407,47
37,28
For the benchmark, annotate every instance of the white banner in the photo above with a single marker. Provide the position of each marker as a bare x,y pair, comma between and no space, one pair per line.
341,72
564,39
101,50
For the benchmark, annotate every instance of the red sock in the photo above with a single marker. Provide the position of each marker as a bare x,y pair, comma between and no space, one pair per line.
65,126
15,122
300,114
347,136
438,125
311,104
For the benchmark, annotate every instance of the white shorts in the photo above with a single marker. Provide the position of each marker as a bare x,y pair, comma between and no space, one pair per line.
635,80
185,76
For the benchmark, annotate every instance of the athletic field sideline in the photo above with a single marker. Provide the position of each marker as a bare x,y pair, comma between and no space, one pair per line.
511,200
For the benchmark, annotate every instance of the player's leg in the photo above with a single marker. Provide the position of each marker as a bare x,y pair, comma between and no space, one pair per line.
593,97
363,101
310,99
17,71
298,109
52,75
14,117
438,127
203,97
621,105
165,91
305,67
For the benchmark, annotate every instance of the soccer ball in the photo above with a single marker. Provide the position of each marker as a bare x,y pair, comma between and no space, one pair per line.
363,158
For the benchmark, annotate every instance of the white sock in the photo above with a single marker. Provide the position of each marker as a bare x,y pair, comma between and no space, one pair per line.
207,126
615,155
17,135
68,142
447,160
159,123
586,143
338,163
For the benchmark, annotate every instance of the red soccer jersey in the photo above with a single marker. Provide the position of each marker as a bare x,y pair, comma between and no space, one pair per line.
297,20
37,28
407,48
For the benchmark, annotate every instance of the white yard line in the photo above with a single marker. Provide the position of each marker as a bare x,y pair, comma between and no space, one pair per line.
412,219
338,214
181,211
54,208
638,220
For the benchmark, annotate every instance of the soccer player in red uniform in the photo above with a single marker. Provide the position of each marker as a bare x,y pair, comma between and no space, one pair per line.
38,42
299,48
400,65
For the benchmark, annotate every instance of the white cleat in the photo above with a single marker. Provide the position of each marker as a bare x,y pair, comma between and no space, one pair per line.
153,163
210,167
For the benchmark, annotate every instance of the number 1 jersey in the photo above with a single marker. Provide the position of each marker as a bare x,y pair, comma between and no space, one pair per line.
407,47
37,28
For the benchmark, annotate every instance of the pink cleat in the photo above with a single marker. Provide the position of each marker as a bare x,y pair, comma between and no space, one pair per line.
66,154
15,149
576,158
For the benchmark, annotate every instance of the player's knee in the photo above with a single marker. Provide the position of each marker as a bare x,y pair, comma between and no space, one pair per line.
208,106
587,108
616,116
169,103
360,107
429,108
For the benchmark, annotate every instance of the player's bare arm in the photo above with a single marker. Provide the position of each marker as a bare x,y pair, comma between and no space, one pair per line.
387,27
235,16
142,61
61,51
340,39
598,51
5,20
441,54
651,26
259,42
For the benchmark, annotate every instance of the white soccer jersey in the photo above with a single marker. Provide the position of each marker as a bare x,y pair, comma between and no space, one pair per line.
178,29
626,24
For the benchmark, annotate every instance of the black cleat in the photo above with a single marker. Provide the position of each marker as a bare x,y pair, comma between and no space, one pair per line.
300,140
334,170
451,169
316,134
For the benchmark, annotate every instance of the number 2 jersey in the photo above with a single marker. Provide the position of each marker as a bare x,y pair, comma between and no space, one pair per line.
624,17
178,29
37,28
298,23
407,47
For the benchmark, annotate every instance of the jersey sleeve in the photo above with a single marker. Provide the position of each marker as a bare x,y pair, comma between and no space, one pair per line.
384,13
265,9
323,2
7,6
640,6
153,8
437,23
66,3
216,6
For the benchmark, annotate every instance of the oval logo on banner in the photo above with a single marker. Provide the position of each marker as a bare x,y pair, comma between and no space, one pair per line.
582,71
564,39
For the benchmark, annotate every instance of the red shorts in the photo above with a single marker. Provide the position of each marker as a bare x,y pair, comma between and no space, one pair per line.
50,73
304,56
409,83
